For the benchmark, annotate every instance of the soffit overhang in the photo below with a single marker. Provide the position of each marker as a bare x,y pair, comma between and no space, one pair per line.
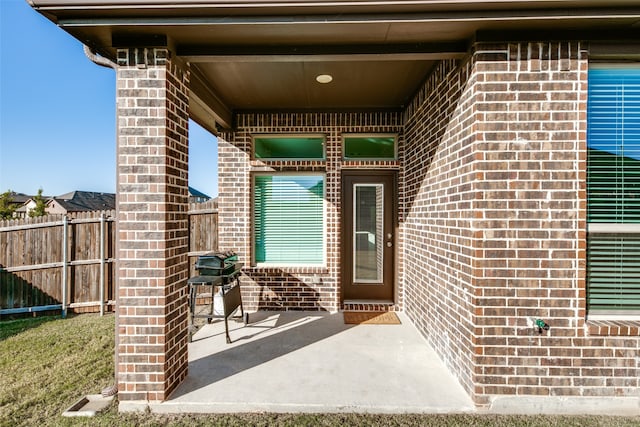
264,56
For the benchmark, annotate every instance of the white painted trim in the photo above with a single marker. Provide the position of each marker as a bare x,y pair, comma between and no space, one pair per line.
613,228
613,316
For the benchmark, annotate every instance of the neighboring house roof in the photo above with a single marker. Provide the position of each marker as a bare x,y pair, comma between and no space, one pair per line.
80,201
19,198
195,193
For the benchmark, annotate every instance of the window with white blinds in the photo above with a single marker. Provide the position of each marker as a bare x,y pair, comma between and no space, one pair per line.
288,219
613,271
614,145
613,188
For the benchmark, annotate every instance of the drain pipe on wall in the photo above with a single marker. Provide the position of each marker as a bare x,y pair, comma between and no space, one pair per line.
97,59
111,390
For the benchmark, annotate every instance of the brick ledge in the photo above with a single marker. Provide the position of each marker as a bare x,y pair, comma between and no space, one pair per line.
625,328
369,306
286,269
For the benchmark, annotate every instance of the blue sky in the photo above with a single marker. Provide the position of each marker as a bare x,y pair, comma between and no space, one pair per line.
57,113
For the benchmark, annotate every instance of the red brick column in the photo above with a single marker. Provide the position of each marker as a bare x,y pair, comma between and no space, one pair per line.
152,223
531,102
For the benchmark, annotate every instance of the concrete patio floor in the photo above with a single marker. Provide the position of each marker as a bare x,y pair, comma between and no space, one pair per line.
313,362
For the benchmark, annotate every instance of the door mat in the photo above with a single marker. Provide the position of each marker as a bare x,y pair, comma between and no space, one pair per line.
371,318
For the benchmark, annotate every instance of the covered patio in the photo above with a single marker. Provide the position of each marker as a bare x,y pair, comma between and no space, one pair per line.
471,193
314,362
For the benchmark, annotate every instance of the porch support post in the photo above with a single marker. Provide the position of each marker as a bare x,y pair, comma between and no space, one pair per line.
152,99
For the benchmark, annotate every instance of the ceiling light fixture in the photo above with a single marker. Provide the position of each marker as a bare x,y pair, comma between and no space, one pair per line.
324,78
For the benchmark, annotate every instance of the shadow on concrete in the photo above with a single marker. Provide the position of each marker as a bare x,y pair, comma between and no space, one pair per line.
282,333
313,362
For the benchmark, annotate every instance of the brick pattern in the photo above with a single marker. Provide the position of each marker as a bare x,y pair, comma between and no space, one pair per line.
153,230
530,147
354,306
613,328
290,288
495,226
439,189
492,214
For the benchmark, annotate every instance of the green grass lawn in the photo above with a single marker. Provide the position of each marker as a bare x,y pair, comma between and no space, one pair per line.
47,363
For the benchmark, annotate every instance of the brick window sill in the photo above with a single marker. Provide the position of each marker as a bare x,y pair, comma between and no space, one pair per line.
370,163
619,328
293,164
285,269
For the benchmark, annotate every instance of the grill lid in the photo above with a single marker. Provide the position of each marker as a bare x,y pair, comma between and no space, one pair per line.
216,260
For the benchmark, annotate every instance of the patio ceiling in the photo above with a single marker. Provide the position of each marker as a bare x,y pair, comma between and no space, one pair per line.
264,56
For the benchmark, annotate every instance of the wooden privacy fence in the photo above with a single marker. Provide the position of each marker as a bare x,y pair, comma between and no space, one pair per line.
57,262
68,262
203,230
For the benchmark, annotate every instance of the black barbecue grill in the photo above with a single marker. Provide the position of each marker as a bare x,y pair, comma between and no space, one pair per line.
220,270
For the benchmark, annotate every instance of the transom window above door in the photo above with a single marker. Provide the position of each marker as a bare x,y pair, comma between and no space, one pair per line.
289,147
370,146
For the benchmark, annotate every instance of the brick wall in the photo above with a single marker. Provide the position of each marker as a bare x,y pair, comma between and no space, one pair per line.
530,149
439,233
152,99
495,230
290,288
492,163
532,156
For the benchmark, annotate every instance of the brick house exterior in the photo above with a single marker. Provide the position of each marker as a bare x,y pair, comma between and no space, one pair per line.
491,219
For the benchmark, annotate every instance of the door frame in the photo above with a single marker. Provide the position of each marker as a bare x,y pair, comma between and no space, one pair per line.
344,250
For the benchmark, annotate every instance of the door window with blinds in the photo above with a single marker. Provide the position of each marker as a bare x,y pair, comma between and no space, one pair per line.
613,189
288,219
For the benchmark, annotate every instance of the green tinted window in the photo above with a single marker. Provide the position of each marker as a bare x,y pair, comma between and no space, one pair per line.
306,148
370,147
